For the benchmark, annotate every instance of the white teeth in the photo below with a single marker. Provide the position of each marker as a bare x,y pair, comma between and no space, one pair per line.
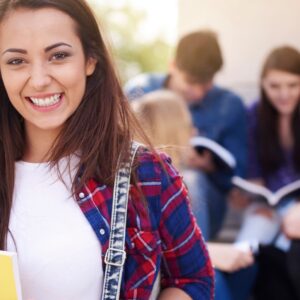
48,101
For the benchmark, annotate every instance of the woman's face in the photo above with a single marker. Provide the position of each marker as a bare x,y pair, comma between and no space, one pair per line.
283,90
43,66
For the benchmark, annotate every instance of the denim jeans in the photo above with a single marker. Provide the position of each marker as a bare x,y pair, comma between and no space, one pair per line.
265,230
235,286
207,200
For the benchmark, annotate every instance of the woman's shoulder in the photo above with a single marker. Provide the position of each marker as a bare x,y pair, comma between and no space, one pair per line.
155,175
154,164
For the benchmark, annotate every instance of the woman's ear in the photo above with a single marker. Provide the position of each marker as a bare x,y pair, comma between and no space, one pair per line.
90,66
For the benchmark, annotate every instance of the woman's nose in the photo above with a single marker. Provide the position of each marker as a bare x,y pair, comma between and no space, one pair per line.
39,77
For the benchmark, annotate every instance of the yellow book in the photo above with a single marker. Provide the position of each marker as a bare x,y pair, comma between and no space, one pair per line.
10,286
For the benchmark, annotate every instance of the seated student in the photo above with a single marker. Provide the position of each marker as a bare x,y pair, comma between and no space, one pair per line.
274,161
216,113
168,123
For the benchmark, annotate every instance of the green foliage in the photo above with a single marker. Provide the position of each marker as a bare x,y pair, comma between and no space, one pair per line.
134,53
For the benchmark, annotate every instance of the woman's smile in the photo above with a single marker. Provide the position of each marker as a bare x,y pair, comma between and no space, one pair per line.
46,103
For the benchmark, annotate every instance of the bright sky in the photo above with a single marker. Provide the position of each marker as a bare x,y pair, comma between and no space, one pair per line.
161,20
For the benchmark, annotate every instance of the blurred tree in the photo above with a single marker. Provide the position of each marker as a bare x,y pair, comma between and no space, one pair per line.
134,54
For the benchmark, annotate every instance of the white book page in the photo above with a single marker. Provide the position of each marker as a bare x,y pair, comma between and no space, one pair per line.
252,187
215,147
272,198
285,190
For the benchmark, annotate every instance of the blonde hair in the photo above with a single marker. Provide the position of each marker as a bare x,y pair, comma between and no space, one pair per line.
166,120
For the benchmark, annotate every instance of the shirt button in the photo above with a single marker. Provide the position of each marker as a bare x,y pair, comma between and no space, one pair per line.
81,195
102,231
132,245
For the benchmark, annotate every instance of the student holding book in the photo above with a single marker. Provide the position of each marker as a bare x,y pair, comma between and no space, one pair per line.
274,162
66,150
217,113
168,123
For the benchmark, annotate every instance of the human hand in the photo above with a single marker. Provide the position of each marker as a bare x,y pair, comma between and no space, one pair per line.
228,258
203,161
291,222
239,199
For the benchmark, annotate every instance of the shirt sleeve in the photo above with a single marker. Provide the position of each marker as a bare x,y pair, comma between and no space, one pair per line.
235,135
138,86
234,139
186,264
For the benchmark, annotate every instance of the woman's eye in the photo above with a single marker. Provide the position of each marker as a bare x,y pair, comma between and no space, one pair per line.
60,56
293,85
15,62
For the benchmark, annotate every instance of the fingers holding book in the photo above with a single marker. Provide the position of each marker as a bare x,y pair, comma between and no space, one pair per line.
239,199
203,161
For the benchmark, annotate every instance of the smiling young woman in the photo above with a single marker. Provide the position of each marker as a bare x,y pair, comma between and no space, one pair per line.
49,72
65,129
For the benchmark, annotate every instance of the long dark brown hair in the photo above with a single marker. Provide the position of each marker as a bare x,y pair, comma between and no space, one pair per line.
271,153
101,127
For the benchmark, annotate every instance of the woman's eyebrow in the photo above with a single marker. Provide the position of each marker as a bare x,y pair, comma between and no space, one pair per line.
56,45
17,50
23,51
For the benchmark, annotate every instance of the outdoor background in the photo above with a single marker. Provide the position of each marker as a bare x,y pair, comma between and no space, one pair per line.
143,33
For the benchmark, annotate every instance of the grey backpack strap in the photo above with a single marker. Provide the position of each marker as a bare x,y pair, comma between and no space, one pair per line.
115,255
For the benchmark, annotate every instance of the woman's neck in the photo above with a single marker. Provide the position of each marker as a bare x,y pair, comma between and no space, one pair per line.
285,132
38,143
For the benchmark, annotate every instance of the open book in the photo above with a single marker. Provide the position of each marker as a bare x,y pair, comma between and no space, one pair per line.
223,158
261,192
10,286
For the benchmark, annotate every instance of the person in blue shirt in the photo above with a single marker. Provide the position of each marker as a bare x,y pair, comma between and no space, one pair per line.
217,113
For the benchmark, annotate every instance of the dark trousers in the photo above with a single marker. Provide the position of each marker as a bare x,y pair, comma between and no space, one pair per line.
279,274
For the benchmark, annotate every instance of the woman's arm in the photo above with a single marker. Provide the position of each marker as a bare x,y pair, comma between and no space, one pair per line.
185,264
227,258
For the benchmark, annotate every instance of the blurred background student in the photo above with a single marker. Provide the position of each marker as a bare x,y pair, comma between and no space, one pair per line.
217,113
274,161
167,121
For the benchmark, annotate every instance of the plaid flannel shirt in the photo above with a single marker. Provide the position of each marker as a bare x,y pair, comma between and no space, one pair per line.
161,233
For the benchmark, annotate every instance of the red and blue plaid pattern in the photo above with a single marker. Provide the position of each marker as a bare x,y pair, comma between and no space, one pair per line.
161,232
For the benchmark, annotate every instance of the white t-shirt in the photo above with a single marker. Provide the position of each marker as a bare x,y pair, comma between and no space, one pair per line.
59,254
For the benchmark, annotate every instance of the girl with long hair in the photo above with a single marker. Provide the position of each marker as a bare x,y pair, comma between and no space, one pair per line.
274,161
65,130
